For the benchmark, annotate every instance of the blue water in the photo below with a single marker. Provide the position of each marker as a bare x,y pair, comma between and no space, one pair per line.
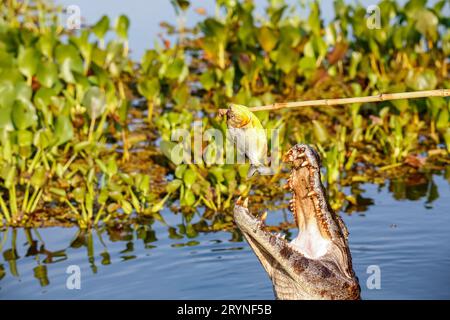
408,240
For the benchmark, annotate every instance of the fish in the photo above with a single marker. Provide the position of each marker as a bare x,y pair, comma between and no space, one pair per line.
244,126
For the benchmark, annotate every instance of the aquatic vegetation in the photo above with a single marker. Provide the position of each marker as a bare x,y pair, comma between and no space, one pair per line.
86,134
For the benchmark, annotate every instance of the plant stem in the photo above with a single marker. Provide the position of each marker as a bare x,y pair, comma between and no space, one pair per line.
13,201
150,110
335,102
5,209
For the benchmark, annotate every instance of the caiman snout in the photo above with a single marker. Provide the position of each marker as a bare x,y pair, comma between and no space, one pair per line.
317,263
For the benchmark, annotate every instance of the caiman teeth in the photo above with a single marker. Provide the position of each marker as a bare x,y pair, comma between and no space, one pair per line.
311,194
263,216
292,205
241,203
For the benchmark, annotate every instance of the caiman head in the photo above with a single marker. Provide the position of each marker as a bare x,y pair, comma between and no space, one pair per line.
317,263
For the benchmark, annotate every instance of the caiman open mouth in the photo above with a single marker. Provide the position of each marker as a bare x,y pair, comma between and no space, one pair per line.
317,263
308,204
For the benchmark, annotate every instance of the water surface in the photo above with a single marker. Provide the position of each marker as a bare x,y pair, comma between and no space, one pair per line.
408,239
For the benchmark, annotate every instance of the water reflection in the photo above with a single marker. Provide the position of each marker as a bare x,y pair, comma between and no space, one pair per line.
24,252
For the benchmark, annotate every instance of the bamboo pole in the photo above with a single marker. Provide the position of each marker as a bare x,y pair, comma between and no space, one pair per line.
335,102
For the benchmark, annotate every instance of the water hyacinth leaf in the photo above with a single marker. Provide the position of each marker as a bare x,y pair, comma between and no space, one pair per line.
421,79
189,198
27,61
208,80
442,122
112,167
215,29
47,74
6,60
24,115
149,88
6,122
181,4
320,131
24,138
189,177
59,192
101,27
69,60
267,38
95,102
38,178
175,69
7,94
127,207
173,151
9,174
426,23
46,43
63,129
23,91
173,185
447,138
43,138
121,27
286,58
179,171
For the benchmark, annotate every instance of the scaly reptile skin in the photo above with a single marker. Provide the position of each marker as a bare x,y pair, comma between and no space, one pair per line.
317,264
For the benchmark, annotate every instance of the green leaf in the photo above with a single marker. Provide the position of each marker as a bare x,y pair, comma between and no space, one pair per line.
7,94
101,27
69,60
95,102
24,114
189,177
175,69
122,25
179,171
27,61
208,80
320,131
267,38
421,79
173,185
47,74
38,178
63,129
189,198
442,122
286,58
149,88
24,138
427,23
